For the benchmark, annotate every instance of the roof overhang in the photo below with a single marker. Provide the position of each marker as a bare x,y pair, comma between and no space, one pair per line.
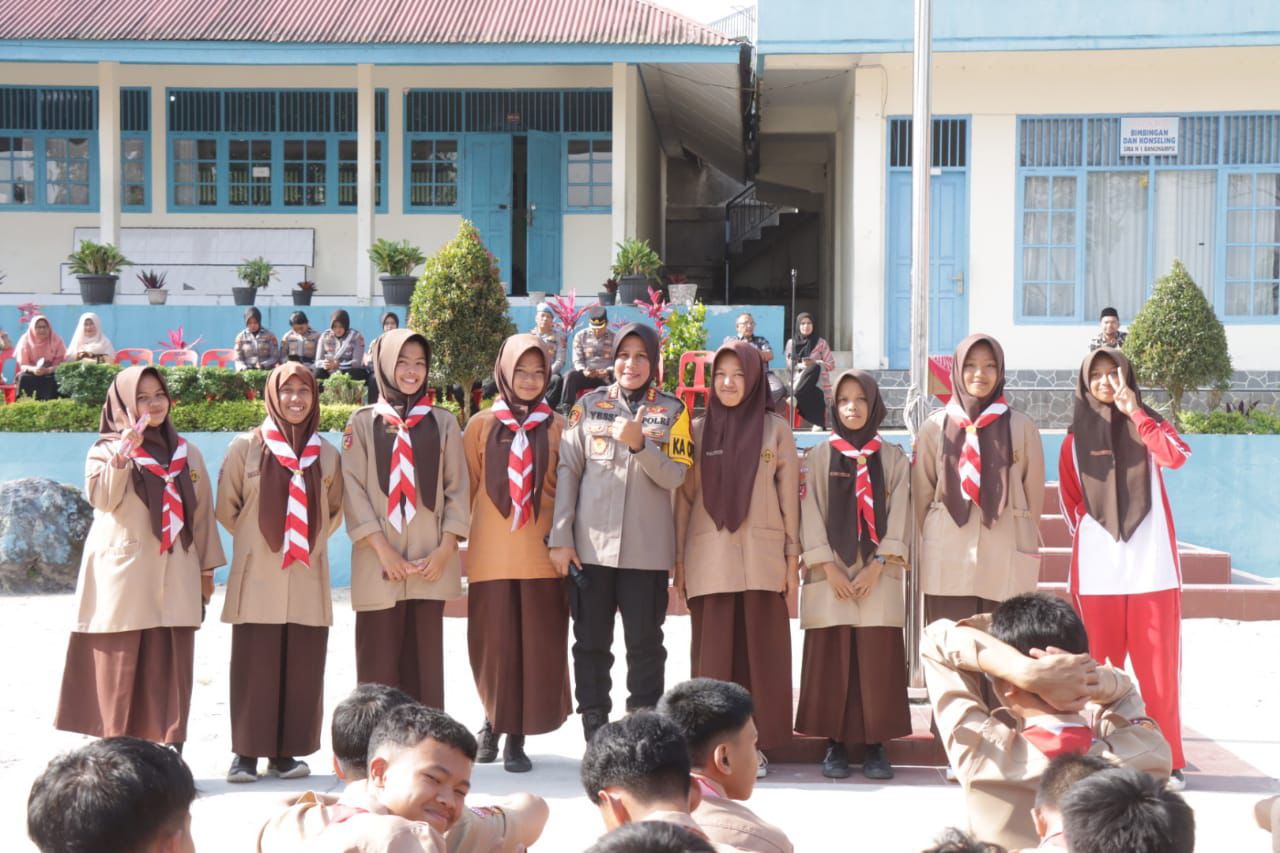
702,109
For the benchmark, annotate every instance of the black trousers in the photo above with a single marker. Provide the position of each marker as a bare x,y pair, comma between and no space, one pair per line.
41,387
575,381
641,596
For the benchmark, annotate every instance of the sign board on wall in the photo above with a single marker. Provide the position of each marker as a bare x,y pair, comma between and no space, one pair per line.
1140,137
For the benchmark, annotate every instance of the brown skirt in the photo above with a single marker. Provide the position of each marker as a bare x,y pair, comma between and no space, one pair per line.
745,637
518,637
277,689
135,683
853,685
403,646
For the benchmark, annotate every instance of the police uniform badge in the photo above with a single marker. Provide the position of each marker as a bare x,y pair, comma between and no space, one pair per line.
767,455
346,436
575,415
195,475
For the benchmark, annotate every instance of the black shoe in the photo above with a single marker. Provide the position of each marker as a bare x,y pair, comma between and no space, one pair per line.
487,744
875,765
285,767
592,721
836,763
513,758
243,769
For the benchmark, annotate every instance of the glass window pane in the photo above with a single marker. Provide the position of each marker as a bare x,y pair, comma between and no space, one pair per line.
579,196
579,173
1240,191
446,196
79,170
446,149
1238,225
1064,228
601,173
293,149
133,171
261,149
78,147
1266,300
1062,264
1036,193
579,149
135,195
1237,298
55,147
601,196
602,146
347,149
1238,262
1186,224
185,195
1269,226
24,170
447,174
79,194
315,149
1268,188
419,149
1064,193
1115,242
1063,300
1035,264
6,170
184,172
1035,228
134,149
1266,263
1034,300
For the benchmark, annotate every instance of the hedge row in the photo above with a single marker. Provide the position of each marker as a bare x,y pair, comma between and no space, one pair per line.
1257,422
202,416
87,382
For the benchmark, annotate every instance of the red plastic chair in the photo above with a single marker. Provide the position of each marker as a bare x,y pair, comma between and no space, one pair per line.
940,377
218,358
134,355
701,361
179,358
9,389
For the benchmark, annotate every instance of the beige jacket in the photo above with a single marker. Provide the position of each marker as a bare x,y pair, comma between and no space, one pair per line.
755,555
998,767
730,822
259,591
886,605
365,506
125,583
995,563
320,823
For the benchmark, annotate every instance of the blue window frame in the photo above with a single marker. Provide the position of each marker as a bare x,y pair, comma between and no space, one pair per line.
433,172
1096,228
48,148
135,150
588,174
269,151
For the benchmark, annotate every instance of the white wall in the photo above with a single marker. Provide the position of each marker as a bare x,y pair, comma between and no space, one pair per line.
588,253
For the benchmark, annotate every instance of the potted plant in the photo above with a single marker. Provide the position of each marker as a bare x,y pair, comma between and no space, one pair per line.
96,266
153,283
681,290
254,273
396,262
302,293
610,293
634,266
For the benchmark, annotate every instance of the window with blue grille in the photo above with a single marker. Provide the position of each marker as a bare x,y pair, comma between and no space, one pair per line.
135,150
269,151
1096,228
48,148
588,174
433,173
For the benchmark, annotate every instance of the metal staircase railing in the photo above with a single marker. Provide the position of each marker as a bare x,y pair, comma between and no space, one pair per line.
744,216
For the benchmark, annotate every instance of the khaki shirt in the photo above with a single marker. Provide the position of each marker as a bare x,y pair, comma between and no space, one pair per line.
259,591
365,506
997,562
730,822
592,351
554,342
353,823
755,555
302,345
485,829
126,583
886,605
259,351
686,821
614,506
998,767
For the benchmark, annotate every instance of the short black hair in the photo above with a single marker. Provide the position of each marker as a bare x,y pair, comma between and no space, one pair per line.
409,725
1037,620
643,753
297,317
391,315
1109,312
651,836
1062,773
115,795
953,840
1123,810
355,719
706,710
252,313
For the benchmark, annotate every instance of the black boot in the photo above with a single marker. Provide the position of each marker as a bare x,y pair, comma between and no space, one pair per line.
875,764
487,744
835,765
592,720
513,758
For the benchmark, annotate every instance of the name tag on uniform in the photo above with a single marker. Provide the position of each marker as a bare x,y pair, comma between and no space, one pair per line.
252,473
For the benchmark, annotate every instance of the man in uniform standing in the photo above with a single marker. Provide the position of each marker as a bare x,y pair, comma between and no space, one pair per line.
592,357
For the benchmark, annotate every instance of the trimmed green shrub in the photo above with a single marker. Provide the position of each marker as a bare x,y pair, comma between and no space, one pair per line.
686,330
218,416
86,381
1176,341
222,383
185,384
1256,422
27,415
333,418
341,389
256,381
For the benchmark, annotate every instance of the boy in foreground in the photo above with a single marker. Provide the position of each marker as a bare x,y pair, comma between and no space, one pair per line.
1062,773
1124,811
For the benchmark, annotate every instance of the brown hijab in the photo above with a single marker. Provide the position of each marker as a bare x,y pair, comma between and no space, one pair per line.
498,444
732,439
842,532
1114,465
425,436
273,499
119,413
995,441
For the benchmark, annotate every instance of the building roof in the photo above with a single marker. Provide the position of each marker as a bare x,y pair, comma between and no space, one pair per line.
403,22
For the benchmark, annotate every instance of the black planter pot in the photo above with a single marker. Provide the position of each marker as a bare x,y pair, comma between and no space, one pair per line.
302,297
633,287
605,297
397,289
244,295
97,289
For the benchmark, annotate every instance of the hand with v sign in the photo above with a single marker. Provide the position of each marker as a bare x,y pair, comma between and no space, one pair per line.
629,431
1126,401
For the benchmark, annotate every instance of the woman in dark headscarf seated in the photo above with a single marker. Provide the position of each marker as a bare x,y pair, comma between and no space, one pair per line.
811,361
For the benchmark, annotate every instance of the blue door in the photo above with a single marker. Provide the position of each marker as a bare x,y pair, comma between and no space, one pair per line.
544,216
948,265
486,167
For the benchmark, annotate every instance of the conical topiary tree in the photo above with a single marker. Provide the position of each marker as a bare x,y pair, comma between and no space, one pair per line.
459,305
1177,342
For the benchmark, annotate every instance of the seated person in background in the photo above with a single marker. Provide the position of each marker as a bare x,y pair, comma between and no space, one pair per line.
544,326
715,718
119,793
6,343
256,348
341,349
746,327
1267,814
390,320
40,350
1124,811
89,343
1062,772
953,840
300,342
650,836
592,358
1109,334
1034,649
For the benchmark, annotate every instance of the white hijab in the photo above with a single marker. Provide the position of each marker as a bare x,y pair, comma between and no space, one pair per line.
95,344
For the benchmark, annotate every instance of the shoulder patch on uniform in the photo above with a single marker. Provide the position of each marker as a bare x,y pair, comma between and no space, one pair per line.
680,441
575,415
346,436
195,475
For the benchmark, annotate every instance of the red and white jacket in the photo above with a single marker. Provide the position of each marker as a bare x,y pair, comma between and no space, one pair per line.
1148,562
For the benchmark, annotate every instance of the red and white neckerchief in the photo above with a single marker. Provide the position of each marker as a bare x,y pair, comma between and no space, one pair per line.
402,482
863,497
1054,740
520,459
171,512
971,454
296,531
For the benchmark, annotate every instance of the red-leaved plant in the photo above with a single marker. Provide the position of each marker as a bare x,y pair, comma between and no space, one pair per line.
176,341
26,311
656,309
566,312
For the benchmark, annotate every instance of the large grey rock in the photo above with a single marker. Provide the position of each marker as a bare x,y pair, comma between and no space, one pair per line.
43,526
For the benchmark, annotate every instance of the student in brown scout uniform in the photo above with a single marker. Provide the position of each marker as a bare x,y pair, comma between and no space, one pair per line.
146,574
856,514
978,489
404,554
738,541
280,498
519,624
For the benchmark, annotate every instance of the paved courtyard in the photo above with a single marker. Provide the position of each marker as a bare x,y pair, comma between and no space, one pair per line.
1231,698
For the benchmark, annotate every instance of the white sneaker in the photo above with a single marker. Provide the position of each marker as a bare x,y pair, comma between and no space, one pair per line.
1177,782
762,765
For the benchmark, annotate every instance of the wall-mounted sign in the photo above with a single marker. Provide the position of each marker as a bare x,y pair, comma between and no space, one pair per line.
262,171
1140,137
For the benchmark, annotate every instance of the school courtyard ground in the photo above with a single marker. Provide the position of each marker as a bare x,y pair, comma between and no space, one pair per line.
1231,693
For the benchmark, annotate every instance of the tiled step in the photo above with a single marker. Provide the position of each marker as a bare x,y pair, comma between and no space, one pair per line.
1199,565
1054,532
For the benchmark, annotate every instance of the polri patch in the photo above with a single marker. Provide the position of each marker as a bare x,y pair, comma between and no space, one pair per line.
346,437
575,415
